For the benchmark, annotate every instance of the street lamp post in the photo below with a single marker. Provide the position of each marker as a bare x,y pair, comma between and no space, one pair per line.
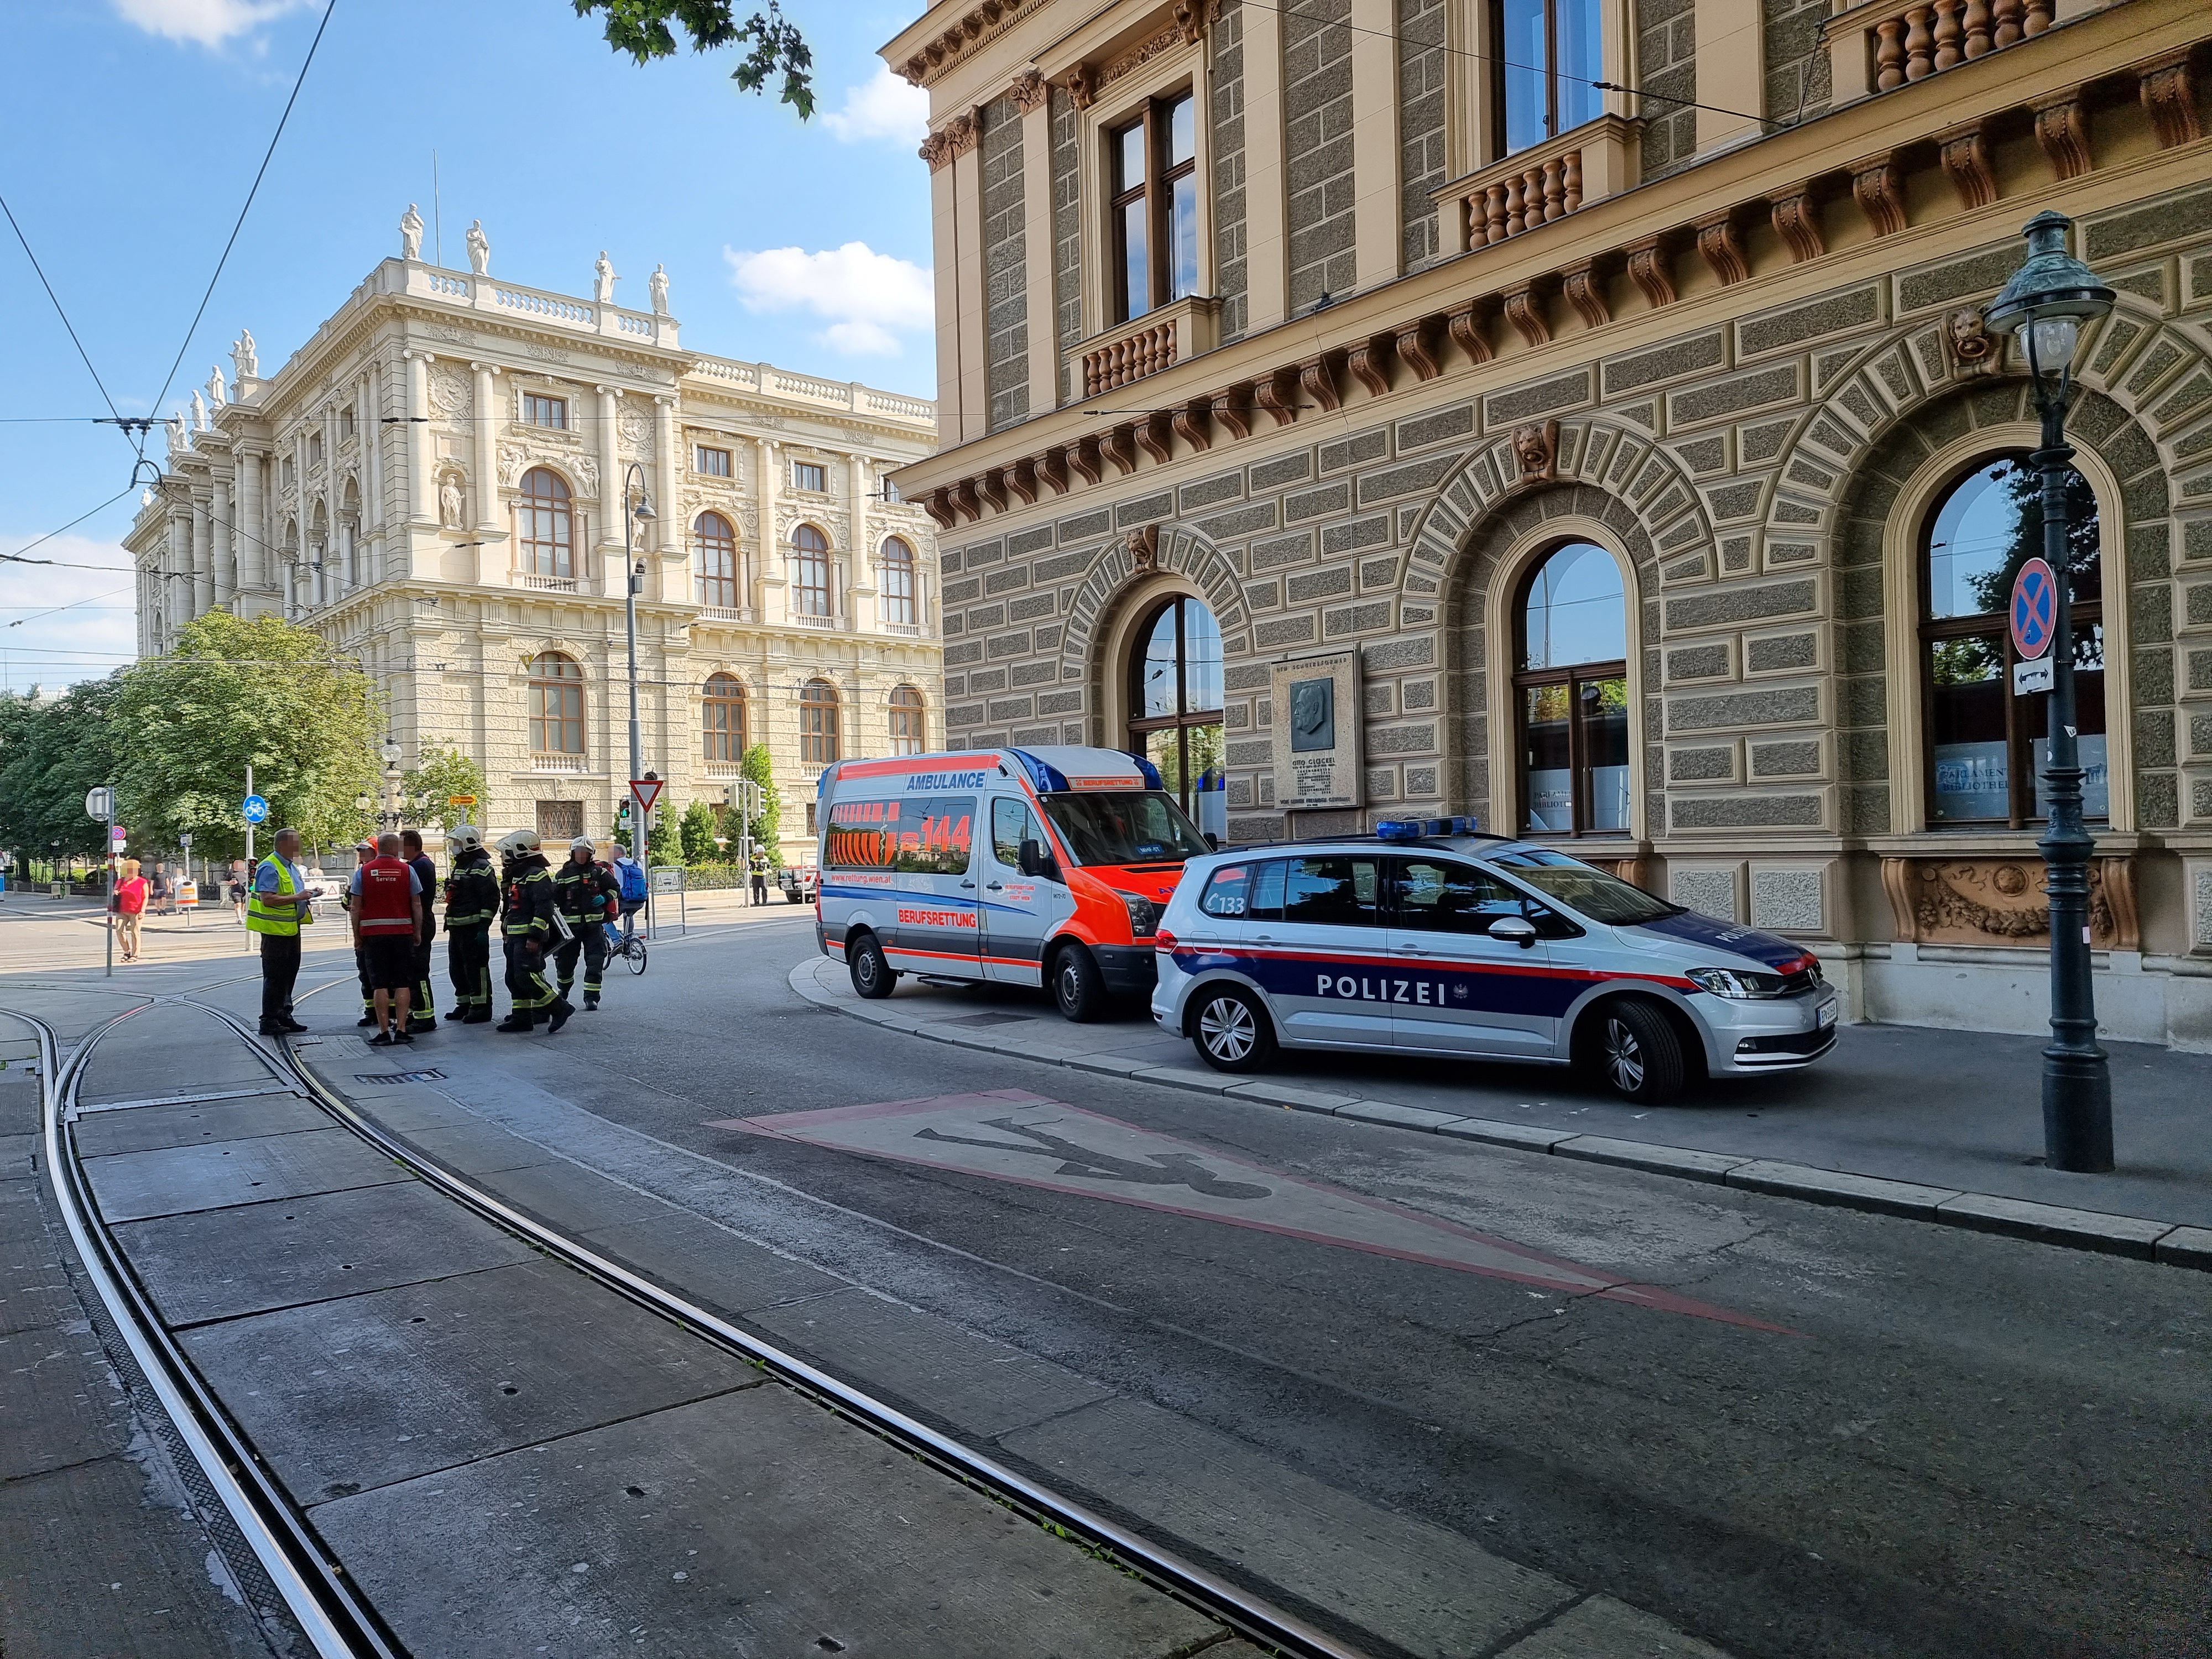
636,504
2043,306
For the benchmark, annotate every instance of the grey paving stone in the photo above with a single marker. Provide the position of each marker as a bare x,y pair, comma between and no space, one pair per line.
2088,1230
1641,1155
1405,1117
1177,1076
1428,1591
249,1258
1498,1132
146,1128
710,1265
1285,1094
1902,1197
2187,1247
132,1186
17,1156
755,1522
1603,1628
404,1108
570,1197
473,1148
342,1395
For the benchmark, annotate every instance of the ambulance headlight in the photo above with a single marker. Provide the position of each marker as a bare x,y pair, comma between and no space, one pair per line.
1737,984
1144,916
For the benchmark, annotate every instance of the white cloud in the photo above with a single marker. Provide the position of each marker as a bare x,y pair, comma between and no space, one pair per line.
208,22
80,643
867,298
885,106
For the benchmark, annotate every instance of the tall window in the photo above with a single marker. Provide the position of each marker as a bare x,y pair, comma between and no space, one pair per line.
549,530
538,409
722,718
1175,707
717,556
908,736
710,463
809,475
817,724
896,585
1986,746
1154,166
1571,684
810,572
1550,51
556,705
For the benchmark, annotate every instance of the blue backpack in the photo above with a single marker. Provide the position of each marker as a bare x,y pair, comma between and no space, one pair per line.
632,876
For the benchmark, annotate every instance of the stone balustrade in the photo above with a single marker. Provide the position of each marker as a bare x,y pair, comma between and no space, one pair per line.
1882,46
1536,186
1159,340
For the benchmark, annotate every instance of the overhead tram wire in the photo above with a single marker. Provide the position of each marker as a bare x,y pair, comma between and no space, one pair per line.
16,557
62,312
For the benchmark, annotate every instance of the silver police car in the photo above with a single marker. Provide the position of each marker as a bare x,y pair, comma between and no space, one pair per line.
1429,938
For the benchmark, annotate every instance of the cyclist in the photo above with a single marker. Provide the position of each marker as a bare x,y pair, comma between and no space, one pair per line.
586,894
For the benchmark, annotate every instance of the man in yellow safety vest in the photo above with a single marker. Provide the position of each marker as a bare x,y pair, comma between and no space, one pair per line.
277,910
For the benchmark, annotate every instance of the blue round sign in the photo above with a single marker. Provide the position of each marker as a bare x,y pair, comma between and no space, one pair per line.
257,809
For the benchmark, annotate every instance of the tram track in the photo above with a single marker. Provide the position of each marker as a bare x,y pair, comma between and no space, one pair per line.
336,1617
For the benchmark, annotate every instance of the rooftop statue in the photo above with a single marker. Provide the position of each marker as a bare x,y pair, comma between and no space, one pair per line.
479,250
410,234
658,282
215,386
243,357
603,280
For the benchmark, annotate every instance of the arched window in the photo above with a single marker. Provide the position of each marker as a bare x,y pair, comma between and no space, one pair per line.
909,722
1174,707
722,718
547,524
717,545
810,572
896,585
1571,684
817,724
1986,746
556,705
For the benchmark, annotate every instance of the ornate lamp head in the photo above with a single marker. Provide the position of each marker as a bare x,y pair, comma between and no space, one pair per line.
2048,298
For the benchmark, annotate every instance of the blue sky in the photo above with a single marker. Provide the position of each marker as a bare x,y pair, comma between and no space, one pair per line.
135,125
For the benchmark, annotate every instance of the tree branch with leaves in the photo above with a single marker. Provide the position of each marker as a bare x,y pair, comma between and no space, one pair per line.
646,29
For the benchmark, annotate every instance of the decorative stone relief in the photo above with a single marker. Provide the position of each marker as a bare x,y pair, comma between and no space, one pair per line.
1536,451
453,499
1789,900
1144,549
636,427
1708,888
1968,336
449,389
1316,706
2002,901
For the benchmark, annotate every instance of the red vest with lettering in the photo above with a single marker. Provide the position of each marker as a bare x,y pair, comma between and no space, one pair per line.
387,905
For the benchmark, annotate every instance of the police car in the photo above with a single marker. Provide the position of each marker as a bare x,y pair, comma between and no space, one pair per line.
1428,938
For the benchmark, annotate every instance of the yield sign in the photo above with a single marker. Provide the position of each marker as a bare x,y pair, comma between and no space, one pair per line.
1011,1135
645,792
2034,609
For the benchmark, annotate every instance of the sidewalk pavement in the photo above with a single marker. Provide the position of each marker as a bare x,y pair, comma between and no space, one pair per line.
1938,1125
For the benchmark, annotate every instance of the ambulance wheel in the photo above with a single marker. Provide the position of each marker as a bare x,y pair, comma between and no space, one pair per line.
1639,1052
872,977
1078,988
1230,1029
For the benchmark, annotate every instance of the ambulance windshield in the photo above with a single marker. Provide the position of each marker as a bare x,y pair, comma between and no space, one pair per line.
1118,827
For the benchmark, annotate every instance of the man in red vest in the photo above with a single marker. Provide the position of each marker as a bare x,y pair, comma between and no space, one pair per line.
386,912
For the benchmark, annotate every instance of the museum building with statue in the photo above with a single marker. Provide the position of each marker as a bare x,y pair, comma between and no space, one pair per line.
435,482
1581,414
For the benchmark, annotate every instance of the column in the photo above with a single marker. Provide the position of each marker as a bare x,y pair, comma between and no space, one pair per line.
773,574
972,393
1730,54
372,466
252,522
611,489
667,532
1378,230
1043,302
176,572
487,413
221,521
422,502
1266,261
203,559
944,246
864,615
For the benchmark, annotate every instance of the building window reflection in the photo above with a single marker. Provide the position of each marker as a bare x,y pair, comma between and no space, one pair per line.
717,548
1175,707
549,537
1153,161
722,718
1550,52
1570,692
556,705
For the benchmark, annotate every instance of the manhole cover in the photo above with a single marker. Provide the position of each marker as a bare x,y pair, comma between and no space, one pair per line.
386,1078
990,1019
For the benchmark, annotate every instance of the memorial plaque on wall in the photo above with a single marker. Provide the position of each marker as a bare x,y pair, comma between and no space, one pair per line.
1316,709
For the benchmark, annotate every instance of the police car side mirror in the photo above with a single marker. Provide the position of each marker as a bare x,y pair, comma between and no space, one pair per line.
1513,930
1037,862
1212,840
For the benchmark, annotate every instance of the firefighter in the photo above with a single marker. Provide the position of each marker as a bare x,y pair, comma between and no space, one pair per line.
471,905
587,895
526,926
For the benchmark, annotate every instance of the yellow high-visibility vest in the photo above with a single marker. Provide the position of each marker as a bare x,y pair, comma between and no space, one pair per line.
283,920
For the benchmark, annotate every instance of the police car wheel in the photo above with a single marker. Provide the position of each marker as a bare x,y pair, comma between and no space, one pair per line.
873,977
1078,988
1231,1031
1640,1053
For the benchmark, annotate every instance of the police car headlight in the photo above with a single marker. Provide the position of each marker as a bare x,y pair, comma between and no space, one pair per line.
1144,916
1737,984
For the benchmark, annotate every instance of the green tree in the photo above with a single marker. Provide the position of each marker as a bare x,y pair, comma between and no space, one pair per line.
695,833
52,751
232,693
643,29
440,773
758,766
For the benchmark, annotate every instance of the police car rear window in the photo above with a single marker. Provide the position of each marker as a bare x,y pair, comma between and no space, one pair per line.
920,835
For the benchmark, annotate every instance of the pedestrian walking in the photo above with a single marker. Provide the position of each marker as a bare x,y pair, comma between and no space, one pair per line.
471,906
387,912
423,1010
237,890
760,875
276,909
129,902
526,923
158,894
363,851
587,895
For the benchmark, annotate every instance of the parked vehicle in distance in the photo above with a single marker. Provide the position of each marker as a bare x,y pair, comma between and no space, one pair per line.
1430,938
799,883
1026,866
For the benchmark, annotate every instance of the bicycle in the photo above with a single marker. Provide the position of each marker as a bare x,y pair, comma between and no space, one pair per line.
627,945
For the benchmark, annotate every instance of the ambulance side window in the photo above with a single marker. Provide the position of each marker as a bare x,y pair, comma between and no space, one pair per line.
1012,823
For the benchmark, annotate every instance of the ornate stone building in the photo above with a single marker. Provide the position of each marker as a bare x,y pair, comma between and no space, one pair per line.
434,482
1637,458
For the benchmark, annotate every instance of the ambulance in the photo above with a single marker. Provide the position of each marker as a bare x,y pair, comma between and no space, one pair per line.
1046,866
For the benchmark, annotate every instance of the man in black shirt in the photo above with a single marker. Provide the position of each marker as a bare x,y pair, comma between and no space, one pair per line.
422,1015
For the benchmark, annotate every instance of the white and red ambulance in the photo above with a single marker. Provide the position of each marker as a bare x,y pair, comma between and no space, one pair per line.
1029,867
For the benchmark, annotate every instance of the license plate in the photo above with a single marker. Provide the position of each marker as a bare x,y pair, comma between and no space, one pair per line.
1828,1016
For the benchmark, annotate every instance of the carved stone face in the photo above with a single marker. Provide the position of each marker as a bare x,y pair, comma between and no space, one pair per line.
1969,335
1532,448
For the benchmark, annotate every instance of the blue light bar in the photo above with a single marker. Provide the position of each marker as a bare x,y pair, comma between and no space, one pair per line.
1399,830
1045,780
1151,773
1468,825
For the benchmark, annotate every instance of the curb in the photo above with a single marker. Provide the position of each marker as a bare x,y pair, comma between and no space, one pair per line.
2134,1236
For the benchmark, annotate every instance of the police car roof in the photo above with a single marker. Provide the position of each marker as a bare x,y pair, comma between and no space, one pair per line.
1480,843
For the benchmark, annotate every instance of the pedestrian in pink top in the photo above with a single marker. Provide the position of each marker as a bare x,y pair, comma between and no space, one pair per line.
129,908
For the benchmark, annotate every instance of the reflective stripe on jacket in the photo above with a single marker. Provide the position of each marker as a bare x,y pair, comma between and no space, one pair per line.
283,921
471,893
